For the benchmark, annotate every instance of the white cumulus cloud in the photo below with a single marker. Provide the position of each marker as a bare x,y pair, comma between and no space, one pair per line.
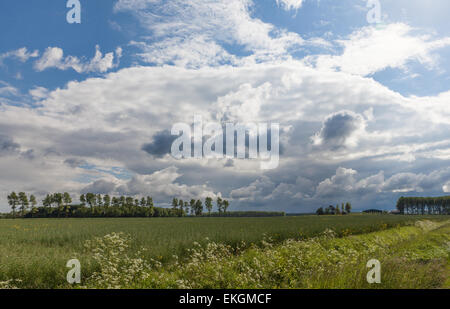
370,49
53,57
21,54
290,4
193,33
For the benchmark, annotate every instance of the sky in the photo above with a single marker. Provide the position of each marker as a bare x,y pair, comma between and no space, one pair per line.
361,98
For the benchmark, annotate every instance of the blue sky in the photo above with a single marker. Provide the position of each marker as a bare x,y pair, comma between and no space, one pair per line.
78,102
40,24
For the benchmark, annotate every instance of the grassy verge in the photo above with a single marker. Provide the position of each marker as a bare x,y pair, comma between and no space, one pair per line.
411,257
36,251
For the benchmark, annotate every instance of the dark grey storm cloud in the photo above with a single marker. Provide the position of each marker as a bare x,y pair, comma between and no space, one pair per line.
338,127
161,144
29,154
99,187
74,162
7,145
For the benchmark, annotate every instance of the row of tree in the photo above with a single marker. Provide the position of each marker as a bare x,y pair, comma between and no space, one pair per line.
22,201
424,205
97,200
196,206
97,205
332,210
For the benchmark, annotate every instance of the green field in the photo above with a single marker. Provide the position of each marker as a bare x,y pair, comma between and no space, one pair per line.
35,251
412,257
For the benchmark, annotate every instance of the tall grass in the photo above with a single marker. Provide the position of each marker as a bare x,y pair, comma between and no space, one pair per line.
411,257
36,251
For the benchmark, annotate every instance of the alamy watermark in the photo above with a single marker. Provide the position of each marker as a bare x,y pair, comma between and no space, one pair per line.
209,141
374,275
74,14
74,274
374,14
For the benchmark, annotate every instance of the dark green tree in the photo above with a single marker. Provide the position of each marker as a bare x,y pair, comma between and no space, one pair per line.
99,200
181,205
91,200
174,203
348,207
192,205
67,199
83,200
209,204
106,200
47,201
115,201
219,205
23,203
198,208
225,205
33,201
13,201
149,202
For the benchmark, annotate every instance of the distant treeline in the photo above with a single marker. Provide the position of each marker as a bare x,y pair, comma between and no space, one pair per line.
59,205
247,214
424,205
343,209
374,211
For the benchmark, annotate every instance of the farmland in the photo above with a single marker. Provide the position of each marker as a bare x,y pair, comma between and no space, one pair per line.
36,251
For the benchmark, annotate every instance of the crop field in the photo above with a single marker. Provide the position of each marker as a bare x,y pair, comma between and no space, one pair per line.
34,253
